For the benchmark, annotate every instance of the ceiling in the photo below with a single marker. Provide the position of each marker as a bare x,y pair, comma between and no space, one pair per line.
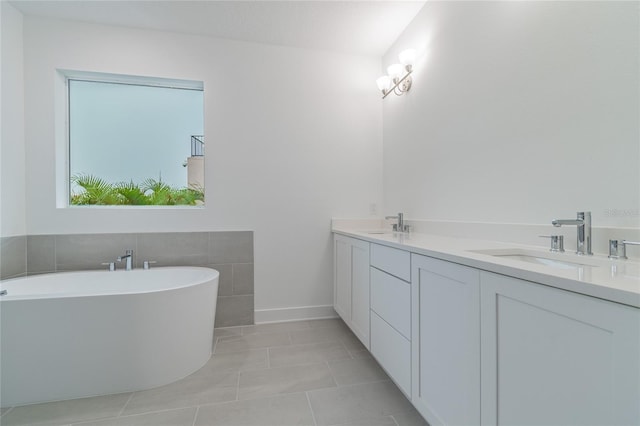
354,27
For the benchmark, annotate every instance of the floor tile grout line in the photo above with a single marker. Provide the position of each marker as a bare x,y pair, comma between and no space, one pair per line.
347,349
125,404
210,404
265,397
7,412
373,382
333,377
257,348
144,413
195,418
313,416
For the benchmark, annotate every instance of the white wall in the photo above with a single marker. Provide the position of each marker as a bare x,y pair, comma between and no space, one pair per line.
520,112
12,147
293,138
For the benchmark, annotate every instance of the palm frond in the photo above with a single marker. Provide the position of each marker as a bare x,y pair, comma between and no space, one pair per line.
95,190
132,194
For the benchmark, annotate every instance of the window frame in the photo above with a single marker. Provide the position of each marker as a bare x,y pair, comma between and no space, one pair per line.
63,166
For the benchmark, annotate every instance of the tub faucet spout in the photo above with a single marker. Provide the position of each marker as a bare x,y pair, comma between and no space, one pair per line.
128,257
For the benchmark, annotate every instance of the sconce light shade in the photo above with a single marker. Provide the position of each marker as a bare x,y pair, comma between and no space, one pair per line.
395,71
383,83
408,57
398,79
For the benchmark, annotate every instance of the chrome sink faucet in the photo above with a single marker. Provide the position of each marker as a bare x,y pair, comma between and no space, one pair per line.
400,226
129,260
583,222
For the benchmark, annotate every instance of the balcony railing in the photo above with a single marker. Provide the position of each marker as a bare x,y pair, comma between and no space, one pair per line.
197,145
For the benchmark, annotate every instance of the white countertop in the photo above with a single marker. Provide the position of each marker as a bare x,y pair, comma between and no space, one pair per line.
614,280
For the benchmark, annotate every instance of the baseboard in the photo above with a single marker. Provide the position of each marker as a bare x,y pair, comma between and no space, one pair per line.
263,316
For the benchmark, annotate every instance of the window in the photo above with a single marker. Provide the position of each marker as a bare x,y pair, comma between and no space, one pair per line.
135,142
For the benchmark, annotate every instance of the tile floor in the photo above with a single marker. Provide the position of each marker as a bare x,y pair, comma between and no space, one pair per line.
312,373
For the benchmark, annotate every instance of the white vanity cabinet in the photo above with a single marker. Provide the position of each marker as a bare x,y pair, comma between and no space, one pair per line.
351,284
446,341
552,357
472,347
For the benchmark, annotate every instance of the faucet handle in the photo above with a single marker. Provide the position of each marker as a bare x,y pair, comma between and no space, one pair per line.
557,242
112,265
618,248
405,228
398,216
147,264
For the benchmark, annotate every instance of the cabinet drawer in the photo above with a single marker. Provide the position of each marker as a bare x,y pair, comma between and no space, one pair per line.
391,300
392,351
391,260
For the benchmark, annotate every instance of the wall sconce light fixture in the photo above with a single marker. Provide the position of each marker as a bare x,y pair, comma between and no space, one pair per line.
398,79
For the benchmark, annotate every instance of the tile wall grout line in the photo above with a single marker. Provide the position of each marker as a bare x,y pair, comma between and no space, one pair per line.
125,404
269,357
26,259
233,280
55,253
313,416
238,387
209,257
135,251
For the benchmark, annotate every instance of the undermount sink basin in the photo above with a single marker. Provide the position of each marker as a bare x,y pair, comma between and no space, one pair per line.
543,261
554,260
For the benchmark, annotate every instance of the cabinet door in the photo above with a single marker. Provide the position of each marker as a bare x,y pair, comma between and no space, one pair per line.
446,341
342,277
552,357
360,290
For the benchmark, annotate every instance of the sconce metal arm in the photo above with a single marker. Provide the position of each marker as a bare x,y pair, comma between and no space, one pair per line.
406,85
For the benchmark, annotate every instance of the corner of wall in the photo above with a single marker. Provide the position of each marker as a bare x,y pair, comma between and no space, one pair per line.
12,142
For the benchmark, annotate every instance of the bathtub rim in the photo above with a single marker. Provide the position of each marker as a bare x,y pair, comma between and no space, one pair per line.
215,274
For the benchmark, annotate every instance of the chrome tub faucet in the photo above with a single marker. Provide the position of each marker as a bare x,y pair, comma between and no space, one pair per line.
583,222
128,257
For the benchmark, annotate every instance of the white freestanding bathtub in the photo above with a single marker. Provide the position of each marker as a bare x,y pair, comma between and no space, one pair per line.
78,334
